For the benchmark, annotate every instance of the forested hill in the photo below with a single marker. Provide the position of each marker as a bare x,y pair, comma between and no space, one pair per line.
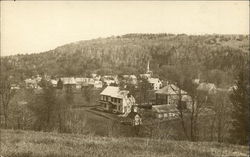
128,54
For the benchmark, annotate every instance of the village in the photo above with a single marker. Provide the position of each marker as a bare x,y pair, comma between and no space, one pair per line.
113,100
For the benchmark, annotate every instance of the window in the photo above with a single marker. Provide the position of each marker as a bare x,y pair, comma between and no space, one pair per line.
119,100
112,99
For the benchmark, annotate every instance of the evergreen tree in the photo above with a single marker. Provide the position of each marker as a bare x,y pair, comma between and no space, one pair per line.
240,112
60,84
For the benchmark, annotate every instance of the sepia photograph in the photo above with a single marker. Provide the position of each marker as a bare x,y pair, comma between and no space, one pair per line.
124,78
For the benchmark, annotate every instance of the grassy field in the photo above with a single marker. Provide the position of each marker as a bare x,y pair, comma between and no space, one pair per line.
18,143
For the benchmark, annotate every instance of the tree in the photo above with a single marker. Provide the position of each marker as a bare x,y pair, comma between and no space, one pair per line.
143,89
222,108
5,96
43,105
59,84
5,90
240,113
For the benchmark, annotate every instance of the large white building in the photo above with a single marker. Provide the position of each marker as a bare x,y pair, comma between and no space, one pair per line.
115,100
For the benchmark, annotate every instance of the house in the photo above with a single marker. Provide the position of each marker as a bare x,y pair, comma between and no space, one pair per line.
53,82
108,82
79,82
115,100
95,84
31,83
170,94
14,87
209,88
69,82
196,81
145,76
131,79
133,118
232,88
98,84
155,83
168,111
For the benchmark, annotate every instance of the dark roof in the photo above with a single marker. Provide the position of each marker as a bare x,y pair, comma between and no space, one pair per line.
132,114
170,89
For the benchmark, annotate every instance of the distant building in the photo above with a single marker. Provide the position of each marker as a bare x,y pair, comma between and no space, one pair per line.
155,83
115,100
209,88
170,94
54,82
14,87
131,79
169,111
96,84
145,76
69,83
31,83
196,81
133,118
109,82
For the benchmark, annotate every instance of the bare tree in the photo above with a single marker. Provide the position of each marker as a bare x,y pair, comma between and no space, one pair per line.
222,108
5,96
189,111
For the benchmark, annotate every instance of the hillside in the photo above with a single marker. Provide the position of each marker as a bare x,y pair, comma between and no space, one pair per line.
40,144
128,54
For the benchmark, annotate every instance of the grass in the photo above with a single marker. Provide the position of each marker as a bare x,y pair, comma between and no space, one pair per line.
42,144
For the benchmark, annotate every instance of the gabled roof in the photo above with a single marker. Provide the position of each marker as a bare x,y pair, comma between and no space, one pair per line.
165,108
54,82
132,114
30,81
169,90
114,92
68,80
154,80
79,79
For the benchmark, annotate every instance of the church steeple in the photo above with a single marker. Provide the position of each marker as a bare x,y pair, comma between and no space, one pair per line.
148,70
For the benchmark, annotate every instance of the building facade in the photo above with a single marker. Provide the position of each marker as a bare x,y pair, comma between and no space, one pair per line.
115,100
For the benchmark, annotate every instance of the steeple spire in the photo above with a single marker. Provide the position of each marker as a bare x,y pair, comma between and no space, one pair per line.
148,70
148,67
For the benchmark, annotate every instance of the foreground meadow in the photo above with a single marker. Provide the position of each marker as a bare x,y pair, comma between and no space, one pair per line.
18,143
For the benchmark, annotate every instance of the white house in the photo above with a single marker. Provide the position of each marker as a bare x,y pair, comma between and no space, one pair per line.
115,100
155,83
53,82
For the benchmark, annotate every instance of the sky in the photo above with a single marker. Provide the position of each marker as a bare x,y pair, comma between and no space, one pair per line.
37,26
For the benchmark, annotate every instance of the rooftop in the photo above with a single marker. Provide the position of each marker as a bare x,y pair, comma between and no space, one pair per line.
114,92
170,89
154,80
165,108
